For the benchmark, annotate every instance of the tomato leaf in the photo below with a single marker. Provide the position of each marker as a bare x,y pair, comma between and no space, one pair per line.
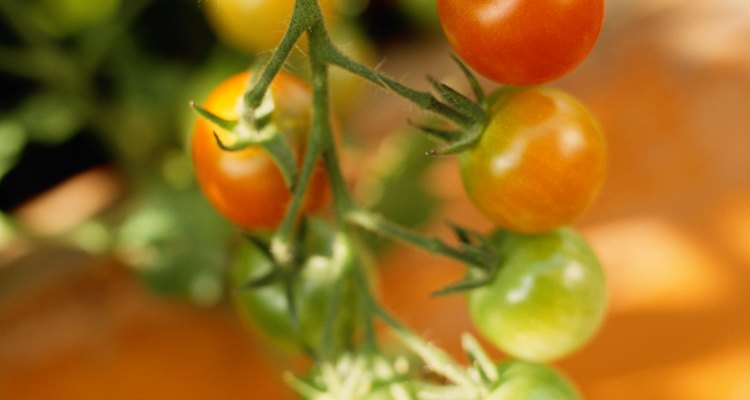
462,103
475,87
213,118
440,134
464,285
467,140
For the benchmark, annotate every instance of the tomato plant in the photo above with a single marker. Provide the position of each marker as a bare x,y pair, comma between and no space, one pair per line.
328,263
521,380
253,26
522,42
547,299
539,163
532,160
246,186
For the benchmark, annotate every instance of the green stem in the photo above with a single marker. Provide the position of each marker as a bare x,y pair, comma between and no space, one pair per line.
435,358
424,100
377,224
305,12
300,22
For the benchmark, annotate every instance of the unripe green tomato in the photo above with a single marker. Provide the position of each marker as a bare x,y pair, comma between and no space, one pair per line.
330,259
521,380
547,299
65,17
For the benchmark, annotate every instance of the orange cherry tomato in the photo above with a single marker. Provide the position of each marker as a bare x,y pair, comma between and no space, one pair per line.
540,162
246,186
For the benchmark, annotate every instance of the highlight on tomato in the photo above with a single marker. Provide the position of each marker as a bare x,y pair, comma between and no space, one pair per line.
522,42
246,186
540,162
547,299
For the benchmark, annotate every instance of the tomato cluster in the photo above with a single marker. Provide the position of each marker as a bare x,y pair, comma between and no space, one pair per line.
538,164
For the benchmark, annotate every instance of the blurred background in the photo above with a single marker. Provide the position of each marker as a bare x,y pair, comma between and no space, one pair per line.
112,264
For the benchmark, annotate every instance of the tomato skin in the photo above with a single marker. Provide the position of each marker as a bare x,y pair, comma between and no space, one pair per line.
547,299
522,42
521,380
246,186
254,26
540,162
266,309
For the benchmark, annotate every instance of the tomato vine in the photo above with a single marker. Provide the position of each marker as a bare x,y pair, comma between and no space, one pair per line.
544,256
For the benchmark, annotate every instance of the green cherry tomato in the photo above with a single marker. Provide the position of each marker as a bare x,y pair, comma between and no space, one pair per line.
522,42
521,380
547,299
265,309
540,162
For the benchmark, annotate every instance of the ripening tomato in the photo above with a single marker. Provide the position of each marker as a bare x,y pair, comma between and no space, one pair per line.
246,186
540,162
522,42
522,380
329,262
547,299
254,26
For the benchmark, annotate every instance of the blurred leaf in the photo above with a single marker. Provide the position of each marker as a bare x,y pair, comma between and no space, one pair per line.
51,117
178,244
12,140
63,17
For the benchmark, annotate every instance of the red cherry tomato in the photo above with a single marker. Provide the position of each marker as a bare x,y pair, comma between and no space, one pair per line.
246,186
540,162
522,42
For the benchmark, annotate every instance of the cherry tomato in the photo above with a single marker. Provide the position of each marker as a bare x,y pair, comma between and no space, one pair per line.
521,380
522,42
254,26
246,186
540,162
547,299
329,260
